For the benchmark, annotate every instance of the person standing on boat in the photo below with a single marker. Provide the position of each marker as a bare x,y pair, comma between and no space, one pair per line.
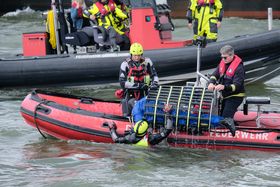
229,78
137,75
104,13
142,133
205,17
76,13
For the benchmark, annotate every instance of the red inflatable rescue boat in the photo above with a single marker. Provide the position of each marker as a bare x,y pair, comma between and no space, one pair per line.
69,117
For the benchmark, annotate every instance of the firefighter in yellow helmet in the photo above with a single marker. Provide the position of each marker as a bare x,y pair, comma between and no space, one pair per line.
137,75
142,134
104,12
205,17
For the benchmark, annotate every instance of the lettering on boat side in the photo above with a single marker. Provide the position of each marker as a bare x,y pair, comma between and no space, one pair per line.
241,135
105,55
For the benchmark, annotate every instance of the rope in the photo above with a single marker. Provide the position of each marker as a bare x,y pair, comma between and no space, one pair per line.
35,117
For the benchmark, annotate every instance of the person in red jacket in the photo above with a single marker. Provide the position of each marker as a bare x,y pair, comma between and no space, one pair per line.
228,78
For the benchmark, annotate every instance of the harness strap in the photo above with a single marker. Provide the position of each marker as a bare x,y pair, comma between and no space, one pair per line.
137,95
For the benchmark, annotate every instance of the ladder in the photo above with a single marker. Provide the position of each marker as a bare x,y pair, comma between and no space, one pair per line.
192,107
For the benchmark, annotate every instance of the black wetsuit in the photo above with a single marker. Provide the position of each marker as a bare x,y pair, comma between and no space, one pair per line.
132,138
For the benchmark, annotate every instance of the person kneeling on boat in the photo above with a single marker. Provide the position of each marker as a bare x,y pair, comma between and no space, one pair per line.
137,75
142,133
229,79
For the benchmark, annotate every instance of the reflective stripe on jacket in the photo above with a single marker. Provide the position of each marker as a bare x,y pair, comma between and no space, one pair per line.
105,15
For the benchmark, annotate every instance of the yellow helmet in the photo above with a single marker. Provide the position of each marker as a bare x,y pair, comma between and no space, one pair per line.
140,128
136,49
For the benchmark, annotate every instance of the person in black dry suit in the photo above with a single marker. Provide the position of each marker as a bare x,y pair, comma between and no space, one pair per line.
229,78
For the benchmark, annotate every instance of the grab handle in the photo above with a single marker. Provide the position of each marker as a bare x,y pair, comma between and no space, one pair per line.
86,100
44,110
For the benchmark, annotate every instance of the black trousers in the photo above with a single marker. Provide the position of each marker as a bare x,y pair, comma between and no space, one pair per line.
229,106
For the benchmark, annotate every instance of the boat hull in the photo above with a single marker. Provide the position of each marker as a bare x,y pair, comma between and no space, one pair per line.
258,51
71,118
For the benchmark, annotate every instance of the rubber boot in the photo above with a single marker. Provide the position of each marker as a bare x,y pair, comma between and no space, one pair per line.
229,123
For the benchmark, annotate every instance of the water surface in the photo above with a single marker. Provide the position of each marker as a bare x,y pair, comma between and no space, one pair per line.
27,159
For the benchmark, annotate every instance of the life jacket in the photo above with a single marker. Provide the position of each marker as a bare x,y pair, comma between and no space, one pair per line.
232,67
103,11
202,2
143,142
138,74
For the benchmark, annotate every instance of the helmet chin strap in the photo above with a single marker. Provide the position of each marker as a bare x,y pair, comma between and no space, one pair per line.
137,63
